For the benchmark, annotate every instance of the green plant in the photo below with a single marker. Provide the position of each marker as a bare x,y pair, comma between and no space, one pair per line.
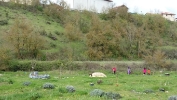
173,97
112,96
3,22
24,39
158,60
10,81
13,65
4,58
26,83
70,89
48,86
97,92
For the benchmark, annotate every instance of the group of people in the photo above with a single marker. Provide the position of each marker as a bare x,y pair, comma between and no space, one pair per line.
145,71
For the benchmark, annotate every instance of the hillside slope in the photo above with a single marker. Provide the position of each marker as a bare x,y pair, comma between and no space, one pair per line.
75,35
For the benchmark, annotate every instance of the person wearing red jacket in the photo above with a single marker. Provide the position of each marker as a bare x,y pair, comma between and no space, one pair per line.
114,70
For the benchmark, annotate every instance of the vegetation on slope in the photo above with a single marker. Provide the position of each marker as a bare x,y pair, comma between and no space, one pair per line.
83,35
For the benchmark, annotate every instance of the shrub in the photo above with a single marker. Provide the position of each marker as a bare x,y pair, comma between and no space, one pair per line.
158,60
112,96
72,32
173,97
40,8
97,92
3,22
170,53
26,83
10,81
48,86
15,65
70,89
5,57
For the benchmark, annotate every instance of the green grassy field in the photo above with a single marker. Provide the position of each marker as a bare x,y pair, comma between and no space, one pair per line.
130,87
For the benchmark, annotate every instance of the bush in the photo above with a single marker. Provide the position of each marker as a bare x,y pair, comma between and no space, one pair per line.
97,92
173,97
170,53
40,8
70,89
48,86
15,65
158,60
112,96
3,22
26,83
10,81
106,95
5,57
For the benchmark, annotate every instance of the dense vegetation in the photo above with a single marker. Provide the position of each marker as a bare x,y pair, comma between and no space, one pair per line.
48,32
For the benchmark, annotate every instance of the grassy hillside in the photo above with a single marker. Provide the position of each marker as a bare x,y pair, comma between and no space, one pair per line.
48,26
83,35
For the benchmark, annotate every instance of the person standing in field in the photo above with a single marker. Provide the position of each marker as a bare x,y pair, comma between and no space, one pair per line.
128,71
114,70
144,71
149,71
